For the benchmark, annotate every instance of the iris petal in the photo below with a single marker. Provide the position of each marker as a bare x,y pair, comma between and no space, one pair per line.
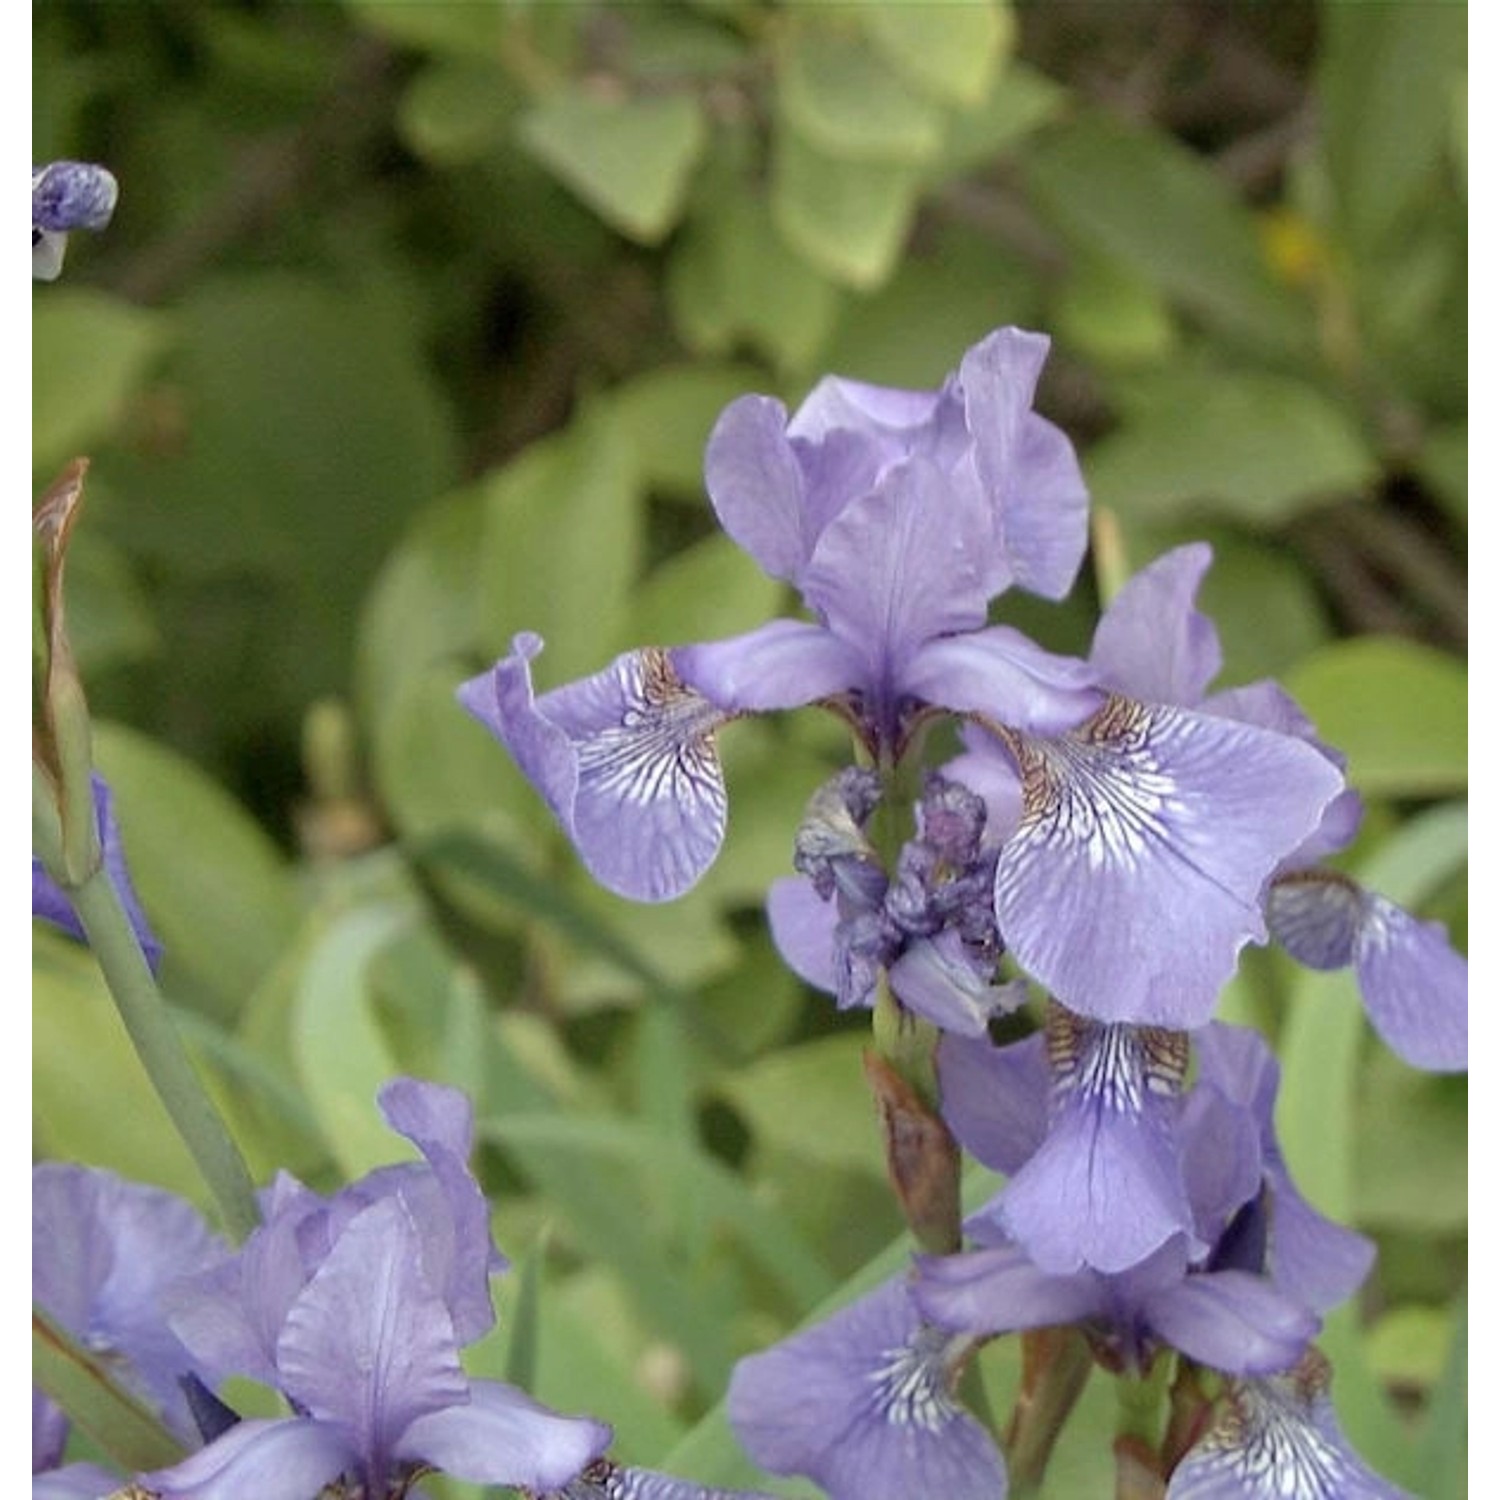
625,759
1136,873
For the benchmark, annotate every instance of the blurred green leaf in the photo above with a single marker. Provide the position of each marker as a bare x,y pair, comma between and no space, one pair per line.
733,279
951,51
1022,100
1443,462
1136,194
460,30
341,1056
667,415
90,354
630,160
1412,1160
455,111
841,95
219,894
79,1380
1397,709
849,218
812,1100
110,621
1379,157
561,546
1261,447
90,1100
1113,314
707,591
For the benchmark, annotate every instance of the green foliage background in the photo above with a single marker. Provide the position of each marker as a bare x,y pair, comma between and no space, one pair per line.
408,333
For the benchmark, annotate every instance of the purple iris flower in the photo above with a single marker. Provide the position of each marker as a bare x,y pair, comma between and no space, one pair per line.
1104,1185
1309,1257
607,1480
105,1254
1229,1320
51,905
1154,643
898,516
356,1308
1134,848
1278,1438
66,195
863,1404
81,1481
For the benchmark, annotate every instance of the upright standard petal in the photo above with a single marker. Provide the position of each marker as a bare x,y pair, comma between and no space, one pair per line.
863,1405
754,480
1277,1438
368,1345
1148,833
1152,643
625,759
1025,464
1415,986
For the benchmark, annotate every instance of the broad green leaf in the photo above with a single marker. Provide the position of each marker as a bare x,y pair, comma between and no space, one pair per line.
1412,1157
79,1381
667,414
849,218
1443,462
630,160
1113,314
812,1100
1138,195
423,608
460,30
950,51
454,112
1380,158
705,592
734,279
219,894
110,619
90,353
944,296
90,1100
560,548
341,1056
843,97
1261,447
316,429
670,43
1397,709
1022,100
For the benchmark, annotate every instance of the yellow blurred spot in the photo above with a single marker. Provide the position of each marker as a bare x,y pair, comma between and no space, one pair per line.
1292,247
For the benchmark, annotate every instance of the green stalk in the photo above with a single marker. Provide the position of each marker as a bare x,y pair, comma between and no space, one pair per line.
1055,1367
162,1053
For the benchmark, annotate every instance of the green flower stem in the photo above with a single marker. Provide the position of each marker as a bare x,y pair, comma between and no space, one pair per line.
1055,1367
162,1053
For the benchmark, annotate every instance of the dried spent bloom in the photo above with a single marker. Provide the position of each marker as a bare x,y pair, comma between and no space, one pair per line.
66,195
863,1404
898,516
929,926
1277,1438
50,904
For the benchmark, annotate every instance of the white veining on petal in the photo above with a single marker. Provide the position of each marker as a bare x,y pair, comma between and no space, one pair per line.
1113,1065
663,741
1101,789
911,1384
